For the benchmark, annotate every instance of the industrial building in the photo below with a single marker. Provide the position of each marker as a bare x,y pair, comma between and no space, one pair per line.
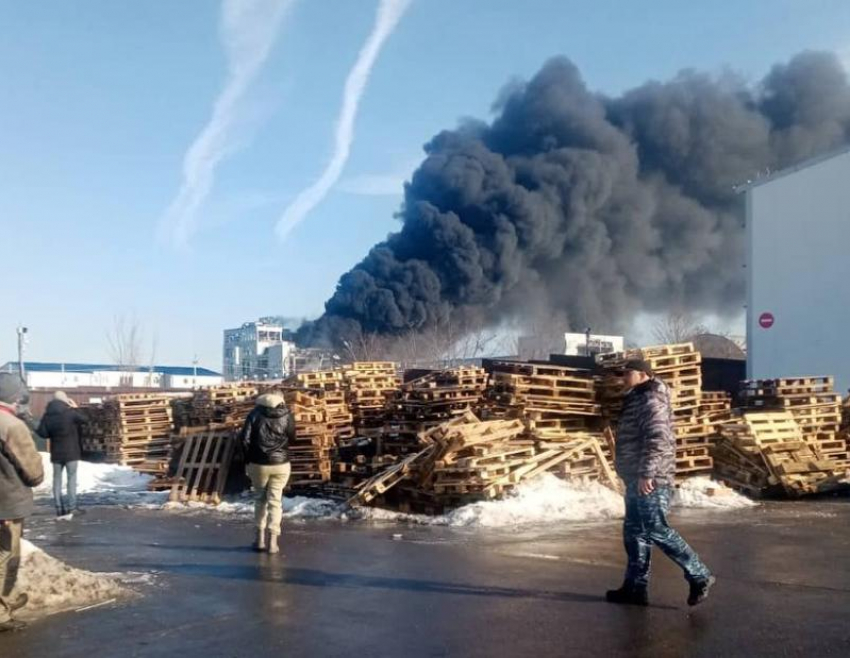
40,375
256,350
798,229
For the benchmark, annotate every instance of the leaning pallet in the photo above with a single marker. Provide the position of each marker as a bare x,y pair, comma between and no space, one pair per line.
201,473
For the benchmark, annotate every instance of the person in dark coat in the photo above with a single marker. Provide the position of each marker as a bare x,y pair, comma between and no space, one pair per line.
20,470
265,439
62,424
645,458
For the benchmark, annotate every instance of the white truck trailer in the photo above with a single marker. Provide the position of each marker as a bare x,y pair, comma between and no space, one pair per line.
798,271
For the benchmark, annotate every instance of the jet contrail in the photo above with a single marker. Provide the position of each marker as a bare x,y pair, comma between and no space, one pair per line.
389,14
248,29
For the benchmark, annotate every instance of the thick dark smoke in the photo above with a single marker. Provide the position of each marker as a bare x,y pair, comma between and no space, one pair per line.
591,206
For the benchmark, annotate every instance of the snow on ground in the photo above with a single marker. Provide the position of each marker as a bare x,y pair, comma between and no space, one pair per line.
705,493
53,586
544,500
103,484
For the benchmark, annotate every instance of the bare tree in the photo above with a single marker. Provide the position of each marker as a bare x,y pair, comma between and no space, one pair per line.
677,327
124,341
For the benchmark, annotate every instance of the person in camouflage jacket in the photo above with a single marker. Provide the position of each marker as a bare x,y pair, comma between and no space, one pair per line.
645,459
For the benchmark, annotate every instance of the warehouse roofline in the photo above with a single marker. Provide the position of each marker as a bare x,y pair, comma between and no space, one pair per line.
38,366
770,177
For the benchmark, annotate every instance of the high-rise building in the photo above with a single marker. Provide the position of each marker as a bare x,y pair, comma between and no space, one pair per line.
256,350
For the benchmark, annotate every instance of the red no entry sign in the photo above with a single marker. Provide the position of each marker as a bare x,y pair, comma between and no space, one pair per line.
766,320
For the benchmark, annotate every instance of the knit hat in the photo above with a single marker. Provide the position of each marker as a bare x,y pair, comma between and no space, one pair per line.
270,400
639,365
12,388
62,396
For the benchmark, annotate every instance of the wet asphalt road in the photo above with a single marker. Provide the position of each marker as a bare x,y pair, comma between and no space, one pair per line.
350,589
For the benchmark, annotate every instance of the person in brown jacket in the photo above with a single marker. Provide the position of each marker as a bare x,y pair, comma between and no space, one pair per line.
20,470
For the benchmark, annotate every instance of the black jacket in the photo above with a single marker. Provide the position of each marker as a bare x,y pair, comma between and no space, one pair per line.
62,425
646,444
266,434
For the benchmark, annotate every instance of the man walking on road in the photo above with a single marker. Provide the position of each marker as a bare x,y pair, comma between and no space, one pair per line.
646,461
62,425
20,470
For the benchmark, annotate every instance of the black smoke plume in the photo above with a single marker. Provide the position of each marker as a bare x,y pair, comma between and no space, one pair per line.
592,206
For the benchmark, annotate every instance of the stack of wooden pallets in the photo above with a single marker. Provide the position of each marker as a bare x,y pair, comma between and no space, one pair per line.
224,404
370,386
679,367
131,429
554,401
764,453
332,387
813,403
426,402
310,453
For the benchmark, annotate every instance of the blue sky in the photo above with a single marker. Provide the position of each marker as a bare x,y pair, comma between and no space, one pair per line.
101,101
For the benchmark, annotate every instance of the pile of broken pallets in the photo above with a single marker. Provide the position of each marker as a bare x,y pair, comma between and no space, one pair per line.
370,385
558,407
428,401
695,415
764,453
131,429
466,460
813,403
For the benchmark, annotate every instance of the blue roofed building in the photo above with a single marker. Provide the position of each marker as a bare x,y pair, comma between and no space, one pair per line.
41,375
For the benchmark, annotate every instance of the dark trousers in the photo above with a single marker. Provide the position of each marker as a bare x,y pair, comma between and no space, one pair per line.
646,524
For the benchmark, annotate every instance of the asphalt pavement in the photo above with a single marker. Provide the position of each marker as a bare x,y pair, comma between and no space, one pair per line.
354,589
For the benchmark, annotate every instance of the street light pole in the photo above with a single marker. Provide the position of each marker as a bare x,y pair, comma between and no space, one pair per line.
22,332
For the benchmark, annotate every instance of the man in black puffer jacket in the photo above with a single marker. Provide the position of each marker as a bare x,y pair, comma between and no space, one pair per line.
646,461
62,424
265,439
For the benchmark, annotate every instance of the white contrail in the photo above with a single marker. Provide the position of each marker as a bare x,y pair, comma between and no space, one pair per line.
389,14
248,29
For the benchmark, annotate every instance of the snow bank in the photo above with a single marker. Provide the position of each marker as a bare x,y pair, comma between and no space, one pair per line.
546,499
53,586
104,484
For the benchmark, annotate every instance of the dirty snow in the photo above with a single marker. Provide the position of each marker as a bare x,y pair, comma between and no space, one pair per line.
53,586
103,484
544,500
705,493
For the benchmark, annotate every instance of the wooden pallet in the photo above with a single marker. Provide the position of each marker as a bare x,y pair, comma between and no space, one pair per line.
203,467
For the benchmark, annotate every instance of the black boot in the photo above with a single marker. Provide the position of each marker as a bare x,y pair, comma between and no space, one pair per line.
628,594
699,590
12,625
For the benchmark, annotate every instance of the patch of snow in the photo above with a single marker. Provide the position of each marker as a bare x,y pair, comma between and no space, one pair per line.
53,586
705,493
104,484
